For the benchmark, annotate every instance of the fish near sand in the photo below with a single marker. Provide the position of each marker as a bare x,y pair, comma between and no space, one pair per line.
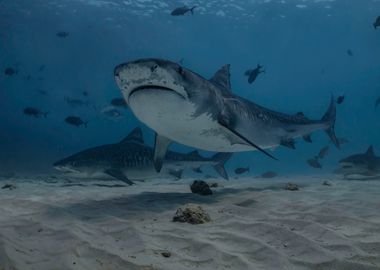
31,111
314,163
241,170
323,152
119,102
130,159
182,11
75,121
377,22
182,106
365,166
254,73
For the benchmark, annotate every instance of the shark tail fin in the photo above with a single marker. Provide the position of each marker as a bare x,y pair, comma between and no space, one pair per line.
221,158
329,118
192,10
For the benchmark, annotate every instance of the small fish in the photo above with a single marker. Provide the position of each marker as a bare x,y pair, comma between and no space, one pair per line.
75,121
241,170
10,71
377,102
340,99
28,77
31,111
111,112
119,102
41,68
377,22
62,34
42,92
253,73
269,174
313,162
75,102
182,11
350,53
323,152
85,93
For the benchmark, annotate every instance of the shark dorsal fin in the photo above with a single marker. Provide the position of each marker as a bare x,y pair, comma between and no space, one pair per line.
135,136
222,77
370,151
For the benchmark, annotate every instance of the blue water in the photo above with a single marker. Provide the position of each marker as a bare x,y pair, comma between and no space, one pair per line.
302,45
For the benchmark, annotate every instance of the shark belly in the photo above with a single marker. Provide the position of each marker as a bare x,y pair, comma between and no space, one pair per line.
172,116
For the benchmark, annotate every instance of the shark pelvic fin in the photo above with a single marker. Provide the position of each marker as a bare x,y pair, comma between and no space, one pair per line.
307,138
222,77
118,175
135,136
160,147
224,124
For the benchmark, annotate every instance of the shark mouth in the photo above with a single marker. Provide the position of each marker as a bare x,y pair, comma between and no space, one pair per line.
157,87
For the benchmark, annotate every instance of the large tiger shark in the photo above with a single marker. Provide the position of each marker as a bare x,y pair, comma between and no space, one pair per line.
181,105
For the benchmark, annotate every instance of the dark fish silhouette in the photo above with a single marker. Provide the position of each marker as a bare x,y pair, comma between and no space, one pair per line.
377,102
9,71
62,34
85,93
75,121
31,111
340,99
241,170
75,102
313,162
111,112
323,152
377,22
119,102
182,11
253,73
350,53
269,174
41,68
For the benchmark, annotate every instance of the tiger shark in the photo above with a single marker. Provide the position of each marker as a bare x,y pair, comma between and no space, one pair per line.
130,159
182,106
363,166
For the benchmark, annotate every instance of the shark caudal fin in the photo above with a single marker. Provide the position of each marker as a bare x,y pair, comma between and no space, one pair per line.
329,118
221,158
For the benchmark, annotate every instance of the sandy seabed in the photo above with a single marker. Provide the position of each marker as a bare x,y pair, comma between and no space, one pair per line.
52,224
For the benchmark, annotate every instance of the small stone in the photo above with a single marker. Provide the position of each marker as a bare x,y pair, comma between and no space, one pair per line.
326,183
214,185
8,186
291,186
191,213
200,187
166,254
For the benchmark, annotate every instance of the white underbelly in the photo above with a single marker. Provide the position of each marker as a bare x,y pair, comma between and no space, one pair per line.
171,116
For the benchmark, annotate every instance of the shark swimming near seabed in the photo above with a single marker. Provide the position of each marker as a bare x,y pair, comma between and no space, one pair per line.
130,159
364,166
181,105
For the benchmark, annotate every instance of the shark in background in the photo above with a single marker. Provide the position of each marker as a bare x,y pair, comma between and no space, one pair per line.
182,106
364,166
130,159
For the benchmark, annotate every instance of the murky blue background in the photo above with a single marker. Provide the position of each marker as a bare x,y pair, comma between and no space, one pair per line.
302,45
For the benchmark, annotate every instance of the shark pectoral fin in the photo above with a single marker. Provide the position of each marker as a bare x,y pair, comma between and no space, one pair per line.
176,173
161,145
225,125
307,138
118,175
288,143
